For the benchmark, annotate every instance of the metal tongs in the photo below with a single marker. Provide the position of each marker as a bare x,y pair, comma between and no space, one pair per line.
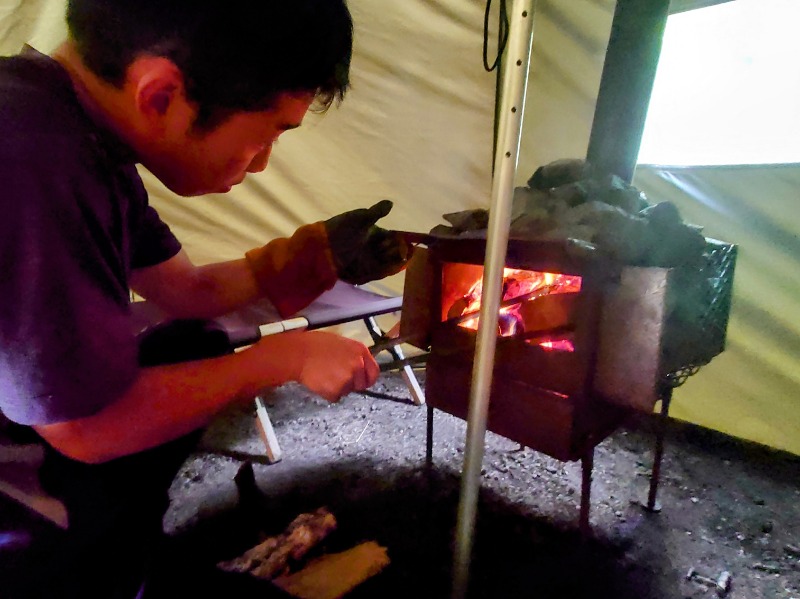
390,344
414,238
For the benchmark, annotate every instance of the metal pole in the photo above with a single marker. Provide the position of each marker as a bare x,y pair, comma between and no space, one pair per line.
515,81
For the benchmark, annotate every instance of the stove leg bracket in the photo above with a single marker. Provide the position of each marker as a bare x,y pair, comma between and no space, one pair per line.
587,465
652,504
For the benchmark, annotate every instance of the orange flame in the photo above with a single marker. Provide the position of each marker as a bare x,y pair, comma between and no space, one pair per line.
520,286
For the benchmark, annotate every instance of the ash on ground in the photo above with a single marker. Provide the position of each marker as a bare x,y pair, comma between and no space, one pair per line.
727,505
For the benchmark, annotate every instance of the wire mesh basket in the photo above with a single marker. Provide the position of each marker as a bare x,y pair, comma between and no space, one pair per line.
697,323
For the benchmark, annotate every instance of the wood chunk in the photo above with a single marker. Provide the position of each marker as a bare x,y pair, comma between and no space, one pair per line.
334,575
19,480
271,557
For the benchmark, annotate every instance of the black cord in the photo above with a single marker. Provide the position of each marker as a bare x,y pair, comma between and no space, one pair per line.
502,35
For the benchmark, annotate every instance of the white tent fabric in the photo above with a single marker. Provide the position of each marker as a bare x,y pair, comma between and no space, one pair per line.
417,127
752,389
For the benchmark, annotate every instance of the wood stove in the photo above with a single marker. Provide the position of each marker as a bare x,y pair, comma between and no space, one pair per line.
583,342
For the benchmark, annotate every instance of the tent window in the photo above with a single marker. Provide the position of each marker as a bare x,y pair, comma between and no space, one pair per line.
727,88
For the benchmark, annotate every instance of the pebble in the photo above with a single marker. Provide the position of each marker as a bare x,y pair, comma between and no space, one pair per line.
770,568
708,540
792,550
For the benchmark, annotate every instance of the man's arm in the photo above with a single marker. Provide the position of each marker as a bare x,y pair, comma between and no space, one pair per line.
188,291
291,271
166,402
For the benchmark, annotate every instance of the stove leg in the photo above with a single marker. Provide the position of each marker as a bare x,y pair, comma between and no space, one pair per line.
652,504
429,440
587,465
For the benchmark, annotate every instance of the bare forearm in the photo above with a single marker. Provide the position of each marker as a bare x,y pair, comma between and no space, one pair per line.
218,289
188,291
164,403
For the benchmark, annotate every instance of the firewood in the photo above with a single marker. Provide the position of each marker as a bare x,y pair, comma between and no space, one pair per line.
273,556
334,575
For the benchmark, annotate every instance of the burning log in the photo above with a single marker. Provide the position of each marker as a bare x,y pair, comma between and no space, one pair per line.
523,314
273,556
468,307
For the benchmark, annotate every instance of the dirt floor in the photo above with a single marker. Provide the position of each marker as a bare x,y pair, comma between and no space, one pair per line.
727,505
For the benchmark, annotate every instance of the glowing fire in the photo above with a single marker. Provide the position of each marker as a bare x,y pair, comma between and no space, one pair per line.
519,287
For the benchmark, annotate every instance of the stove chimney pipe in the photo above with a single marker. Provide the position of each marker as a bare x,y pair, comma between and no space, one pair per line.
626,85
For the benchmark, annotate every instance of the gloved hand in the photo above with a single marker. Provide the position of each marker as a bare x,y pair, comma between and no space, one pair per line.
293,271
362,251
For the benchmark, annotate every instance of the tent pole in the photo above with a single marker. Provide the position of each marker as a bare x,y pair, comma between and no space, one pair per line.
515,82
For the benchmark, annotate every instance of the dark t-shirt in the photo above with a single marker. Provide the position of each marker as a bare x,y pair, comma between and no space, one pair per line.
74,222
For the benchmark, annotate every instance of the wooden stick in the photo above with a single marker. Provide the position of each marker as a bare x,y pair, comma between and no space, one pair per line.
333,576
271,557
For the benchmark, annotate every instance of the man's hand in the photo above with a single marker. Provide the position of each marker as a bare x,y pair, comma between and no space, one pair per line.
361,250
166,402
327,364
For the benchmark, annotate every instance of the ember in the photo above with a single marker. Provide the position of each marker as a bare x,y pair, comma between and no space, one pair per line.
557,345
521,289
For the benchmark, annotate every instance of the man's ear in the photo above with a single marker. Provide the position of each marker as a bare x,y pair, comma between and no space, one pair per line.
158,88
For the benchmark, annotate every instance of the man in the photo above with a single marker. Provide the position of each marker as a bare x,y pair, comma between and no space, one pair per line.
197,92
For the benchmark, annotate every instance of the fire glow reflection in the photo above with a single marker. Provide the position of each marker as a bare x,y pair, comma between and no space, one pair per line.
521,289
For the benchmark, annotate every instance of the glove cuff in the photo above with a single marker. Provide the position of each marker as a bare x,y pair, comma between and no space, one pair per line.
293,271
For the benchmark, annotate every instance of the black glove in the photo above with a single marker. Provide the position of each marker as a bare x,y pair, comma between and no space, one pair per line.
361,250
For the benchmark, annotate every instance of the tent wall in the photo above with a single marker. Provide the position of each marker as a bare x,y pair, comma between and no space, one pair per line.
417,127
752,390
36,22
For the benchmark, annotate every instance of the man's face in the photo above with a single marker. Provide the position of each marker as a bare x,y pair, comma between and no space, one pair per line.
192,163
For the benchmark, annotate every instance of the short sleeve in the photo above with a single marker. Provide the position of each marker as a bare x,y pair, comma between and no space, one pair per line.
67,348
152,241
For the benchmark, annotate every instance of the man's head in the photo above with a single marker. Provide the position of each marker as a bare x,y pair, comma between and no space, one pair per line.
234,55
201,90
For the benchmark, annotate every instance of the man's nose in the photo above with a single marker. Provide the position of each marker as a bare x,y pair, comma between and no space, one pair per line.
260,161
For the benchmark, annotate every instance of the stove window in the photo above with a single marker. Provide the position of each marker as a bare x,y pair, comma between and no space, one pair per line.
536,306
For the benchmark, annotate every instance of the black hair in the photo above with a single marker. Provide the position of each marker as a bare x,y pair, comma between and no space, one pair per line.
235,55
